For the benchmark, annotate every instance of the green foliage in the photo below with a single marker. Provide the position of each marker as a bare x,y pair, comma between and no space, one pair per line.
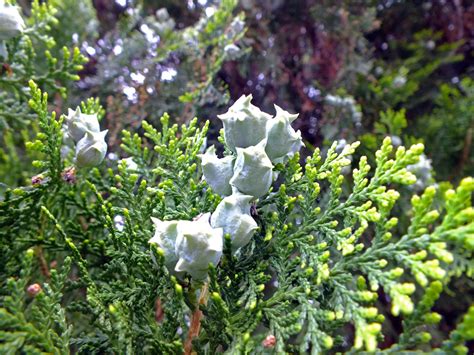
49,72
464,332
391,95
451,126
391,122
410,80
30,58
350,241
33,321
406,85
49,140
75,20
315,265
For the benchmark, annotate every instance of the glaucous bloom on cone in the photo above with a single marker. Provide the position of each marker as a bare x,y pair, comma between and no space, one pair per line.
258,139
198,245
165,23
11,22
233,216
282,140
423,171
217,171
189,246
130,164
244,124
91,149
165,236
68,143
78,123
232,52
253,170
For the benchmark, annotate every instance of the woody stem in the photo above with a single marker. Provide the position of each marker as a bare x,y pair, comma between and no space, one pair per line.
196,320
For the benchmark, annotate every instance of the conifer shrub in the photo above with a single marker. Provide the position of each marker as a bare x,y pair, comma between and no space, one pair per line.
243,246
155,254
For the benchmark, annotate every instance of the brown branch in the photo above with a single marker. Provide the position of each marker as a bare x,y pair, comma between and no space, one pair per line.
159,312
196,320
466,150
42,262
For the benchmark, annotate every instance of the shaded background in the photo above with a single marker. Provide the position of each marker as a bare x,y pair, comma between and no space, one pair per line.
382,55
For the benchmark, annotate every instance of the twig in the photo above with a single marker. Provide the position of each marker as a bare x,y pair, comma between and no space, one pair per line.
466,150
196,320
42,261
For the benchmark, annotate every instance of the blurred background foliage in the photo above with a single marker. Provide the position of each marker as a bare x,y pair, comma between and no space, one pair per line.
344,65
352,69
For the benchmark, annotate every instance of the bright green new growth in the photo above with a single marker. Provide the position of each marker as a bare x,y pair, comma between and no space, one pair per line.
325,246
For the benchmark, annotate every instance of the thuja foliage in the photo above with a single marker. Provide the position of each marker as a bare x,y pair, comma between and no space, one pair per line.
26,55
453,114
123,257
28,51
